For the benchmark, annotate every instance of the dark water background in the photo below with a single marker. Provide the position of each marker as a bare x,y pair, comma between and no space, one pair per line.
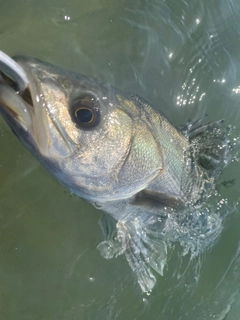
184,57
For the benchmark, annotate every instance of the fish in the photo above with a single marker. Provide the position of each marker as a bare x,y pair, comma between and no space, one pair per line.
121,154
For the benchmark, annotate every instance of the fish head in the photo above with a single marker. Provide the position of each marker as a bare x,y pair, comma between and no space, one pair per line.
99,142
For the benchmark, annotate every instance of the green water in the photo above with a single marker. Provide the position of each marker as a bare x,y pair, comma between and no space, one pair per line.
185,53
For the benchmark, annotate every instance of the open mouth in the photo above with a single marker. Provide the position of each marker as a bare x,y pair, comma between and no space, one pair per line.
12,74
15,97
21,107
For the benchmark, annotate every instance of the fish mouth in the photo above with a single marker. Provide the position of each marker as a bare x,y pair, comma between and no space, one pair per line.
16,103
20,105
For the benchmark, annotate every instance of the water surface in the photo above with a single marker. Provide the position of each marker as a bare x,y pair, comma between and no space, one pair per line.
183,56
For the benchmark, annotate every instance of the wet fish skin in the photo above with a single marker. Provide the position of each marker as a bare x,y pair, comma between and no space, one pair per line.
133,165
115,160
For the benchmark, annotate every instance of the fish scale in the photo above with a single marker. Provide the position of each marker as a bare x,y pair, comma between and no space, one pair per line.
116,151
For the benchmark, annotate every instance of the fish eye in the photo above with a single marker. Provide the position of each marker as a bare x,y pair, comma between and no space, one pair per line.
85,112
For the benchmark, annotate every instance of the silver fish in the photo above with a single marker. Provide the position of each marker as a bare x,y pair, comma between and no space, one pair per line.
115,150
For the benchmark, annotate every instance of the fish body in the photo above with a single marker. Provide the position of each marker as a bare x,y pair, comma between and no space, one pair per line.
113,149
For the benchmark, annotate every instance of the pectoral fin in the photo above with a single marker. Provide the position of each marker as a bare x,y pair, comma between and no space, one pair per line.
152,200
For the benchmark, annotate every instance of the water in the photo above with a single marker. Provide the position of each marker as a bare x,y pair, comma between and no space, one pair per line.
184,57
